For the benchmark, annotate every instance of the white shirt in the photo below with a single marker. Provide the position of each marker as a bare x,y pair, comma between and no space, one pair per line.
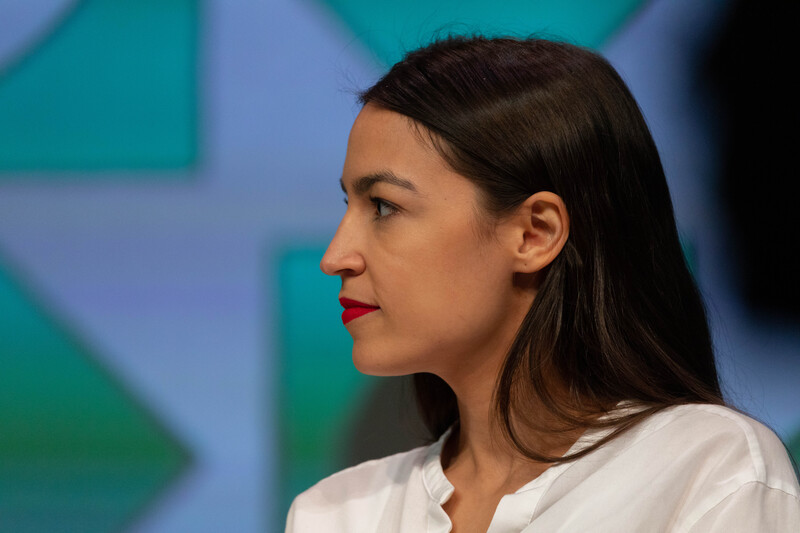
692,468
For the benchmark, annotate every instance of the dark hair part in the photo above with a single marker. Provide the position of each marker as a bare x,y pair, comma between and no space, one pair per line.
617,316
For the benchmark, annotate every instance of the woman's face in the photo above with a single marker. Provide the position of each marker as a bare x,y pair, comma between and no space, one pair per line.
412,244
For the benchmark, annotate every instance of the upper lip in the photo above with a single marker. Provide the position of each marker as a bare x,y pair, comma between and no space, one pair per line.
347,303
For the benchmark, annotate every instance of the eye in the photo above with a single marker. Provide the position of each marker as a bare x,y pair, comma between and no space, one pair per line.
383,208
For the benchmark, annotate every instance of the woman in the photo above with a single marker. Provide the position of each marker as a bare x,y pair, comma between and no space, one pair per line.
510,240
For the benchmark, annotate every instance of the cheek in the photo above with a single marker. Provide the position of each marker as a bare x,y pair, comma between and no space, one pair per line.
446,277
441,299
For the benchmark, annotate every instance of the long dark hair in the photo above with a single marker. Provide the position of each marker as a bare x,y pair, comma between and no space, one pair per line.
617,317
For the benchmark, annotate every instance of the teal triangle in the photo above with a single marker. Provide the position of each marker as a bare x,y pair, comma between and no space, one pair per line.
113,86
794,446
388,29
77,452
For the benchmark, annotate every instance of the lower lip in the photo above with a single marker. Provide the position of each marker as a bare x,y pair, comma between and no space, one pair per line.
351,313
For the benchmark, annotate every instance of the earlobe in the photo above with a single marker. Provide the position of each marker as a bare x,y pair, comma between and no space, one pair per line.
541,229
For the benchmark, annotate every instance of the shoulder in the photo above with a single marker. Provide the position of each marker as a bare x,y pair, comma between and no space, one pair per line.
732,468
687,468
366,478
724,439
355,494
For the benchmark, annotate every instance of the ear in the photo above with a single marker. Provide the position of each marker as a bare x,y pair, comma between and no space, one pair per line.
538,231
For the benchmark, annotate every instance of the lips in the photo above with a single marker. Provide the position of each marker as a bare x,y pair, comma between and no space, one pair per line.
354,309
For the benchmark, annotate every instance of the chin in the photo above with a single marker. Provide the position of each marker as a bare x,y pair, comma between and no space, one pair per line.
372,365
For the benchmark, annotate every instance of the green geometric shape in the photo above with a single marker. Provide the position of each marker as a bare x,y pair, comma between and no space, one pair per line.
319,387
112,87
689,253
389,29
76,452
794,447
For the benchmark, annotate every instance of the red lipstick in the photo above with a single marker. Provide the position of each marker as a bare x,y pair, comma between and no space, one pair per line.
354,309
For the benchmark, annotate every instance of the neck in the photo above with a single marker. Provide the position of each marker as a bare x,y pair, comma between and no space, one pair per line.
478,449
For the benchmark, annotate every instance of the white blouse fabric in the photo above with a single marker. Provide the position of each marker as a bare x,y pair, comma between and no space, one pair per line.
691,468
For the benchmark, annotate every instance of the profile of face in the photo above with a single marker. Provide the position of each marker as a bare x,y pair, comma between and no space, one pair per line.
438,284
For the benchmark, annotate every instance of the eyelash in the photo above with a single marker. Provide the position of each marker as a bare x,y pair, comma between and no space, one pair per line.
378,203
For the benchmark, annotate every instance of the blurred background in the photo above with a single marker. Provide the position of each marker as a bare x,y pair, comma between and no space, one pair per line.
171,357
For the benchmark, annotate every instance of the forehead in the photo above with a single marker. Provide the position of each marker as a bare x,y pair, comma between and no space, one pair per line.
383,141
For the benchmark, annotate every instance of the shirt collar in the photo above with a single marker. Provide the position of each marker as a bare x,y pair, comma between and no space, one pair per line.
439,487
436,483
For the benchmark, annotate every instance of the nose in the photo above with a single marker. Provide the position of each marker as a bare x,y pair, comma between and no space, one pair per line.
343,258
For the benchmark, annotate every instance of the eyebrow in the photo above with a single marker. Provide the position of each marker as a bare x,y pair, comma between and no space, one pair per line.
364,183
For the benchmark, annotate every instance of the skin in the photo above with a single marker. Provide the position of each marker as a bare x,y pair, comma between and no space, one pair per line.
452,290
